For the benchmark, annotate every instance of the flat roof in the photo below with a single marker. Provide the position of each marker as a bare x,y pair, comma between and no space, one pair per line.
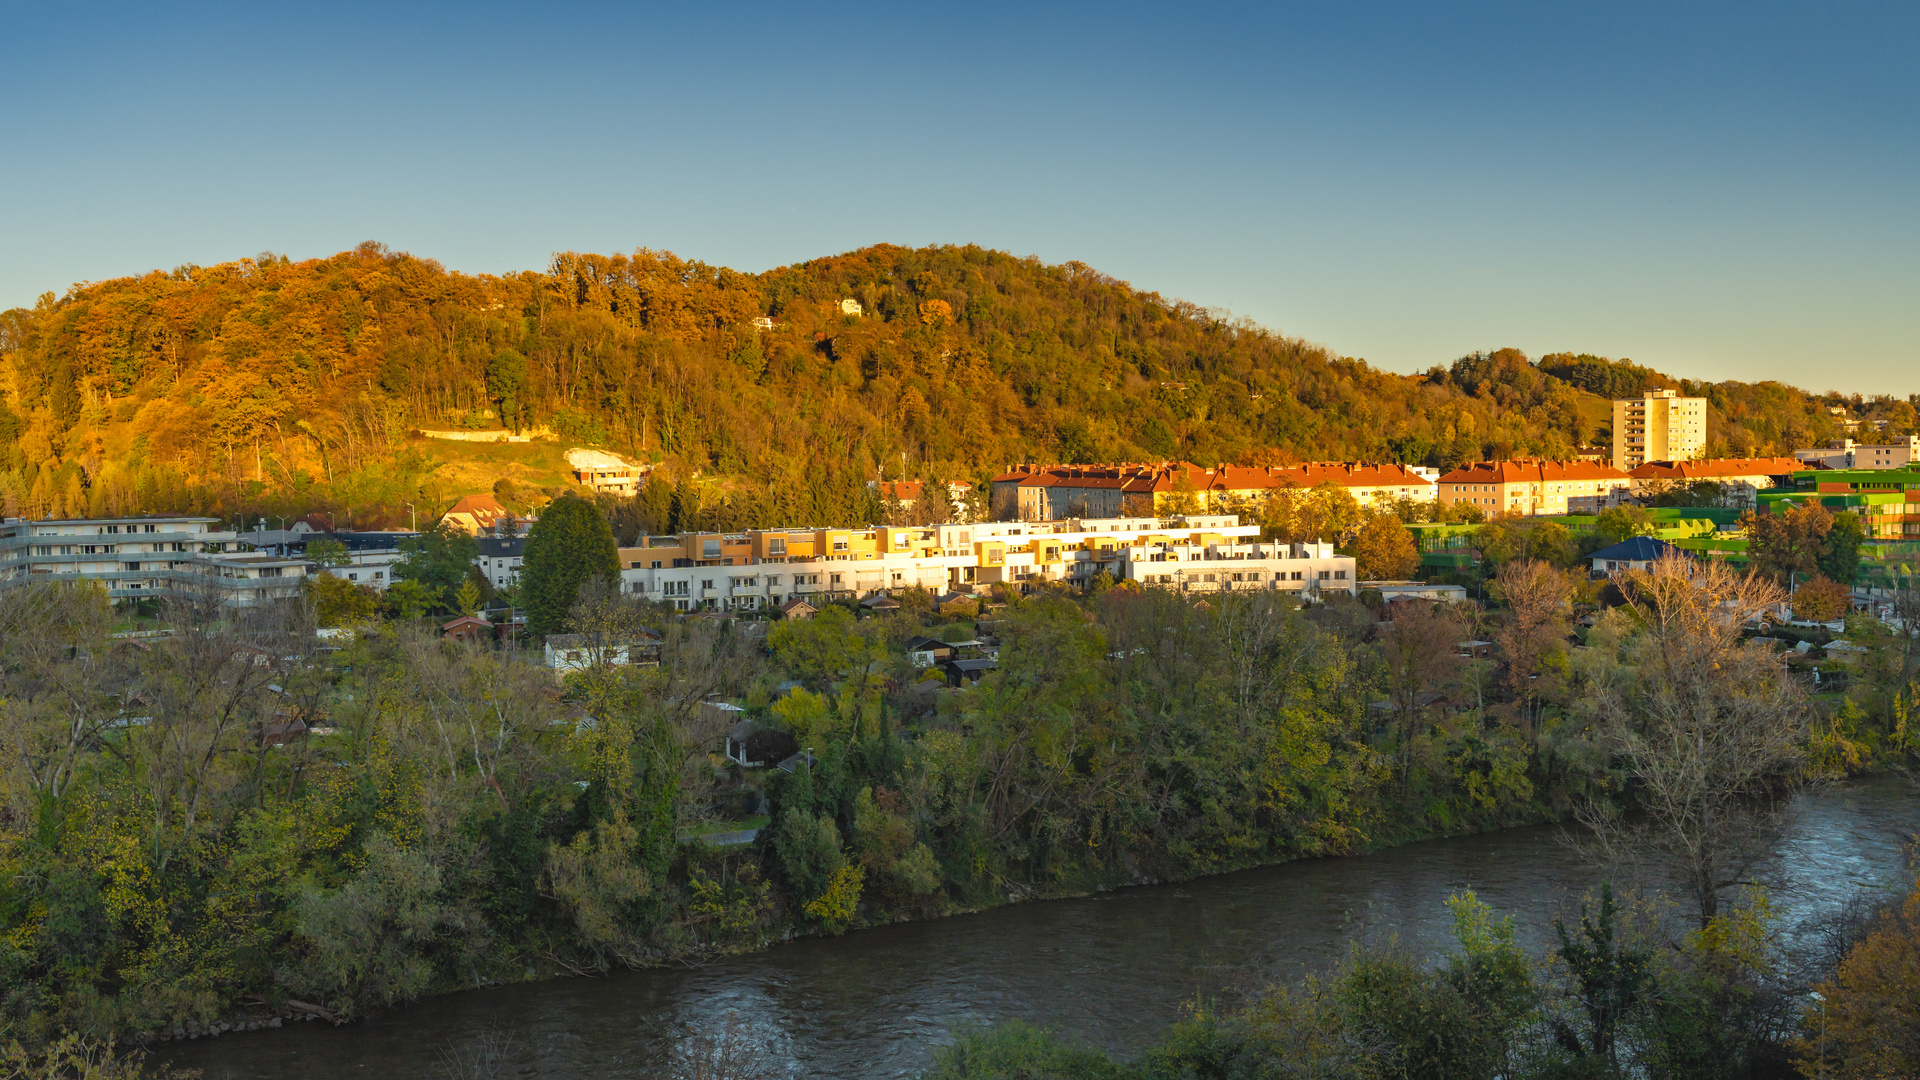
103,521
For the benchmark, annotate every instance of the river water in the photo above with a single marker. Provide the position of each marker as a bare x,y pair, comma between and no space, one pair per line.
1112,970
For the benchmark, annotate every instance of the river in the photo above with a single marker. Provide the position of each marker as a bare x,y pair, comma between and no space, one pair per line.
1111,970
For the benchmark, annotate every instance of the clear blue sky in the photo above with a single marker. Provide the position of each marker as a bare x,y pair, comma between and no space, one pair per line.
1719,192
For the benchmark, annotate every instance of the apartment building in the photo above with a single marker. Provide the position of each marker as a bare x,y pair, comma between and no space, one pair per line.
1056,492
763,569
143,557
1739,478
1534,487
1847,454
1658,426
500,559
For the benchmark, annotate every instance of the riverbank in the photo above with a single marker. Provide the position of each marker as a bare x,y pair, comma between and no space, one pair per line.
257,1018
1113,968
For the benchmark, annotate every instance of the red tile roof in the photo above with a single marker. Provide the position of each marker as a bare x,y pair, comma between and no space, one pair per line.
1715,468
1167,475
1530,471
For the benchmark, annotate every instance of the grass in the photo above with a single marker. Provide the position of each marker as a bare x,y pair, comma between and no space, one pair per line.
757,821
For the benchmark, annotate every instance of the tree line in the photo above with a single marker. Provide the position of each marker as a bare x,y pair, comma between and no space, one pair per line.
268,386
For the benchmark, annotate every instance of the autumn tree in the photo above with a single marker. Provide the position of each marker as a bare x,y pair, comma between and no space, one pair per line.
1863,1023
1820,600
1419,653
1710,732
1385,550
1789,540
1533,628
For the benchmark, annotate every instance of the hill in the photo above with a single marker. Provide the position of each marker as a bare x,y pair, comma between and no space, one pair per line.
266,386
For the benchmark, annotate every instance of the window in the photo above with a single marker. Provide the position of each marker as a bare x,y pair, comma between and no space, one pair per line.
1323,575
656,564
353,577
706,583
839,543
833,579
777,546
1340,574
710,549
773,581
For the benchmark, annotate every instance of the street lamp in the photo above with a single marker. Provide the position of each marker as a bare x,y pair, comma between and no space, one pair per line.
415,518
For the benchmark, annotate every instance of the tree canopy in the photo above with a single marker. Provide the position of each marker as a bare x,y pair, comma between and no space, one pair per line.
266,385
570,545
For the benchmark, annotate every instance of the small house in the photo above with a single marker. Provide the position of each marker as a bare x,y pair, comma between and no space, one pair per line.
961,673
1474,650
797,608
578,652
925,652
1638,553
752,746
467,628
880,602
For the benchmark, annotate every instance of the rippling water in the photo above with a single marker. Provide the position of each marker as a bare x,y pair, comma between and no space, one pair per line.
1112,969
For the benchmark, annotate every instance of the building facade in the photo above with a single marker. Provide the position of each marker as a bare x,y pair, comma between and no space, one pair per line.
1739,478
1532,488
1660,425
764,569
1847,454
137,558
1056,492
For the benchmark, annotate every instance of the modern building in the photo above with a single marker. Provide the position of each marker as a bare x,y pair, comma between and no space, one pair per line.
1739,478
135,558
1887,500
598,470
1532,488
766,569
1847,454
1660,425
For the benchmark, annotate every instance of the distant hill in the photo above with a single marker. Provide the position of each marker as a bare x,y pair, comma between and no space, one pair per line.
265,386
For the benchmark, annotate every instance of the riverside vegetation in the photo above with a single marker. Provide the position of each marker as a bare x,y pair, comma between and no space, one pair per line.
175,857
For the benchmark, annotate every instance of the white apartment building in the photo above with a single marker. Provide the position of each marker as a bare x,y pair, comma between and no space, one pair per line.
1847,454
1659,426
1197,554
142,557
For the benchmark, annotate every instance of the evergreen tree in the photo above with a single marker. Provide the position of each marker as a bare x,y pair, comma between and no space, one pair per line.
570,544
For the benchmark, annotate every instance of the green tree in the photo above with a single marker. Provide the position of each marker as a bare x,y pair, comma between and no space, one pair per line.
328,553
568,546
438,559
507,382
339,602
1841,560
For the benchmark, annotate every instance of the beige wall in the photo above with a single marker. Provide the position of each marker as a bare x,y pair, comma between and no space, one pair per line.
1658,426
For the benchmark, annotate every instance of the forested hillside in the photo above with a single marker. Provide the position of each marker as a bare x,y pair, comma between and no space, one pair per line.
265,386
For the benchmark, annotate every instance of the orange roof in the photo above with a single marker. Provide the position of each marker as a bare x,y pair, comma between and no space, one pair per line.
1530,471
484,509
903,490
1716,467
1167,476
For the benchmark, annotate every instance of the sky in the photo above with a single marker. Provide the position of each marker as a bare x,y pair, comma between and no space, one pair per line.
1715,191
